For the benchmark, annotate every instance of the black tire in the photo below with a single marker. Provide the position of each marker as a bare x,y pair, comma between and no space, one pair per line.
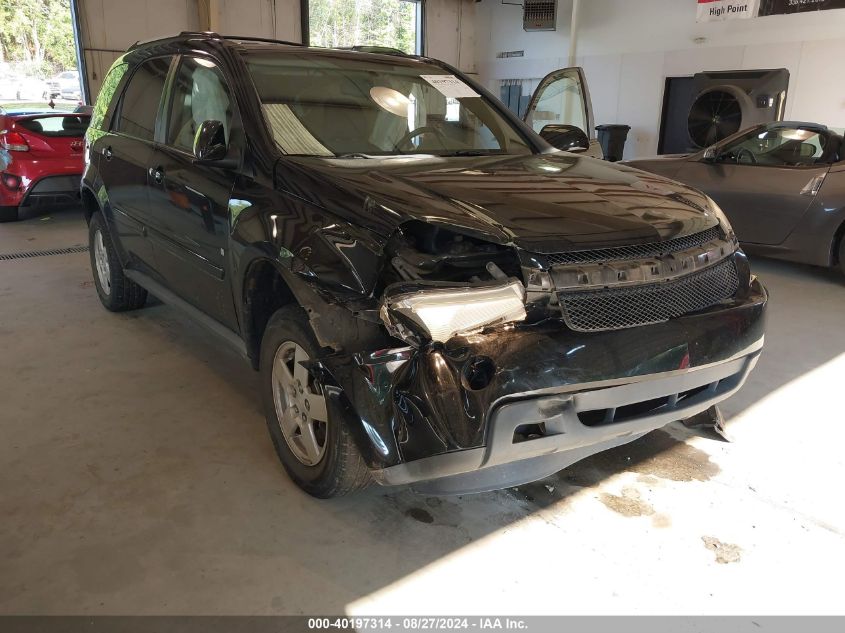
8,214
842,254
122,293
341,469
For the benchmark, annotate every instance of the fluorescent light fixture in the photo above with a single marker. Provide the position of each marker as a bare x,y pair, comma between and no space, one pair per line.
441,313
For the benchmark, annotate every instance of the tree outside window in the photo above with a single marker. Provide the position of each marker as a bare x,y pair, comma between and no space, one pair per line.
340,23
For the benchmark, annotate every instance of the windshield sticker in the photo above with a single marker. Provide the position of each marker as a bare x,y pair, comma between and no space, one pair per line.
450,86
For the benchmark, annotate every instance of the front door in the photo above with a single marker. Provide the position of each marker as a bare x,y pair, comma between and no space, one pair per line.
765,179
563,98
189,200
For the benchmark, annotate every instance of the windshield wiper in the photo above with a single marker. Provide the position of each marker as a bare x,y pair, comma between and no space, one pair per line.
467,152
353,155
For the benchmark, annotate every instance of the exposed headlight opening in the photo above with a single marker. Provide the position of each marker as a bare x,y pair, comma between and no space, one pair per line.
438,314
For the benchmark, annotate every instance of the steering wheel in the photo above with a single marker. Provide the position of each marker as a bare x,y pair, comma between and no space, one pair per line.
744,151
408,136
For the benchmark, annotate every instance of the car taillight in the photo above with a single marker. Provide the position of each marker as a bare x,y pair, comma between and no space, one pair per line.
13,141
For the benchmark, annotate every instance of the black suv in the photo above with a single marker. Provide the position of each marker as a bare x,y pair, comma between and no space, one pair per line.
432,293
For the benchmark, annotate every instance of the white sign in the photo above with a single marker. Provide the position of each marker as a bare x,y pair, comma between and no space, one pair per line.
717,10
450,86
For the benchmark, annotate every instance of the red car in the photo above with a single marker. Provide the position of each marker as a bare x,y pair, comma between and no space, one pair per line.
41,158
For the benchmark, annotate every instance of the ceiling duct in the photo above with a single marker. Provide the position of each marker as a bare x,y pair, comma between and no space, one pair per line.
539,15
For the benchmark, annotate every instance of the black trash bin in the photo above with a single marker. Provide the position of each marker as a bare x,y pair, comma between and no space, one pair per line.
612,140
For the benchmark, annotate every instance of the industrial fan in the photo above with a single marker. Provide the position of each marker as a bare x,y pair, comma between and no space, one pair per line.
726,102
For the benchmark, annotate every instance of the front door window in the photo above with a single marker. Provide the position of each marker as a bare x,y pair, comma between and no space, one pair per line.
200,94
560,99
780,147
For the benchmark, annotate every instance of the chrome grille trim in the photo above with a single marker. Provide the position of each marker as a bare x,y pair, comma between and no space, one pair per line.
635,251
621,307
594,276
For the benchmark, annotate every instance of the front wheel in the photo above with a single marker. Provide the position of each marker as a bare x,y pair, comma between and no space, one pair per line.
312,442
117,292
8,214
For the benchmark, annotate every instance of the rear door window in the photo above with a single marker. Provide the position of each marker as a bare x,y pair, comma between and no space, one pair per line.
56,126
141,99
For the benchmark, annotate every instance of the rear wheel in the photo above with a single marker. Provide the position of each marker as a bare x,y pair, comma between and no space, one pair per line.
117,292
313,444
8,214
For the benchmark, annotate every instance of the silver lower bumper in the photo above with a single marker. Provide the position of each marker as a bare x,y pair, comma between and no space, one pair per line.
577,421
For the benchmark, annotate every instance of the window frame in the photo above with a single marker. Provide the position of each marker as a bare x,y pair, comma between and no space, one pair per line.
419,48
117,113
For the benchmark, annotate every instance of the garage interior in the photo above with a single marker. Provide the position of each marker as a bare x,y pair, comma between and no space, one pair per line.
137,474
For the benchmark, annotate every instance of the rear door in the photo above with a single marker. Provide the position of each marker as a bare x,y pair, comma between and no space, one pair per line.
189,201
563,98
125,155
766,179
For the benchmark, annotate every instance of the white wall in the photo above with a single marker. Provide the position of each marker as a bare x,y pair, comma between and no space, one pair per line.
109,27
628,48
450,32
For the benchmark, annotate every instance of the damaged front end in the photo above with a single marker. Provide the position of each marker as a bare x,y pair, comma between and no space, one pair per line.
497,366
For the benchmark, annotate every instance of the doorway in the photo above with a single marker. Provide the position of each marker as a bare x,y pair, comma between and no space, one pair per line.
677,101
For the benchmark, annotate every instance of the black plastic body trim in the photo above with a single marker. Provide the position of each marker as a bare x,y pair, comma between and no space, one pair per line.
168,297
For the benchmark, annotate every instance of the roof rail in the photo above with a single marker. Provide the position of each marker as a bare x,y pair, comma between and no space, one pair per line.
251,38
381,50
183,34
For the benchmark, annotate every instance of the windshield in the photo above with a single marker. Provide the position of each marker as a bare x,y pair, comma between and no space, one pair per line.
321,105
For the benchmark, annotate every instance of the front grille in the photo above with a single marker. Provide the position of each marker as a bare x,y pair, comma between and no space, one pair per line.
627,306
635,251
600,417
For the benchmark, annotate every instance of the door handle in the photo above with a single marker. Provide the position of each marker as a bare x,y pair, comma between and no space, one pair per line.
107,153
157,174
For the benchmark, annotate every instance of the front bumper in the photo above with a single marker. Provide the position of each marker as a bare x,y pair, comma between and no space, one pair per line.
420,419
571,430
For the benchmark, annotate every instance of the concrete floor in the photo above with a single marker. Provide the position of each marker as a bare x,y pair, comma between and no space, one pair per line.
137,477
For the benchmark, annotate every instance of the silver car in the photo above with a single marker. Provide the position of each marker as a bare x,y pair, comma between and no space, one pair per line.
782,185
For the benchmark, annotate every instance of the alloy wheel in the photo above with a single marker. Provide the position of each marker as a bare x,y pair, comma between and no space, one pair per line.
101,259
300,404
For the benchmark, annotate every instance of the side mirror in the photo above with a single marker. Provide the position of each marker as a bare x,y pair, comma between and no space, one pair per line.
566,137
210,141
711,154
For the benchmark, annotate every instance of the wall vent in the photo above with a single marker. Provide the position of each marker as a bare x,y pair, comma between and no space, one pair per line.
539,15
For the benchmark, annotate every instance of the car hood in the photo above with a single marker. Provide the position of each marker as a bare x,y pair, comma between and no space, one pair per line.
542,203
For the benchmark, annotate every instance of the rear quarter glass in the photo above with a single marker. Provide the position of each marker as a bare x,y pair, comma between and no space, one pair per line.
103,105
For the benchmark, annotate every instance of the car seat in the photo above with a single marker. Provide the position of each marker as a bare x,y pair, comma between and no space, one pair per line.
73,124
832,151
